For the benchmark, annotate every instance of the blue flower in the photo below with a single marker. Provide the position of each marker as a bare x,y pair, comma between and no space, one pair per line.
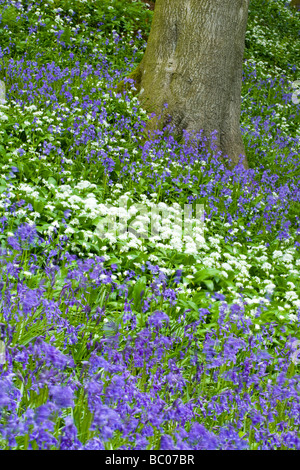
158,318
62,396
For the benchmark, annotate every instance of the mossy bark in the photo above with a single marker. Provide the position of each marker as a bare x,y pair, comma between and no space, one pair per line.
295,4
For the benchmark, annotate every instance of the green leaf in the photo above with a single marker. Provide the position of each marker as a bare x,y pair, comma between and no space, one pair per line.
209,284
53,181
138,288
206,273
193,305
38,205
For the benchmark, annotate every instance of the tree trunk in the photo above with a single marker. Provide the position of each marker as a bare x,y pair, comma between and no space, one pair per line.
296,4
193,62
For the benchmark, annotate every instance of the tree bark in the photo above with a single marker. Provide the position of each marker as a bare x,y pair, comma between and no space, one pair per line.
295,4
193,62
